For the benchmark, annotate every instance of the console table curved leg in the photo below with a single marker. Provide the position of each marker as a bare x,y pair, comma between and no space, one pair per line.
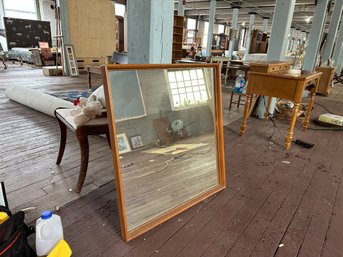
308,111
246,115
63,129
84,147
290,132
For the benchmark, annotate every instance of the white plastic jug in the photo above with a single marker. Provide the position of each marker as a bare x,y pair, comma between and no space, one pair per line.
49,232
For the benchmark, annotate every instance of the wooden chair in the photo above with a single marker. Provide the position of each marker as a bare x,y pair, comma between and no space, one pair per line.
234,68
93,127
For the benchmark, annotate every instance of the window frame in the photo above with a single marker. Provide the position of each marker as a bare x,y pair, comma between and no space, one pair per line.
36,12
190,106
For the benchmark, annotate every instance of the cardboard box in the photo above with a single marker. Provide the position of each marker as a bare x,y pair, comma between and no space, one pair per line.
52,71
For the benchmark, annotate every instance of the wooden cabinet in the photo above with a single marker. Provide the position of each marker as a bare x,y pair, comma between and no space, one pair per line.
259,42
324,87
92,29
177,38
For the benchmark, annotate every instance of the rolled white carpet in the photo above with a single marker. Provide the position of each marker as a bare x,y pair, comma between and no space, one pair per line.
36,100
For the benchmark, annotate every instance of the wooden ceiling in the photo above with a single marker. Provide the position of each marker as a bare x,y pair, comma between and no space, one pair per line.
264,8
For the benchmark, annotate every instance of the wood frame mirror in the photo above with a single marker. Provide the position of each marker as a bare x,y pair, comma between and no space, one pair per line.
150,185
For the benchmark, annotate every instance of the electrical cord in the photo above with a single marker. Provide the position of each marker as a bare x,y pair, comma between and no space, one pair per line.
325,108
270,116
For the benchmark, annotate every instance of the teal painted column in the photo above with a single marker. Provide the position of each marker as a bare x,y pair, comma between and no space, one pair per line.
334,24
180,8
63,4
2,15
338,50
213,5
281,25
316,32
339,66
282,19
265,24
251,25
150,31
235,10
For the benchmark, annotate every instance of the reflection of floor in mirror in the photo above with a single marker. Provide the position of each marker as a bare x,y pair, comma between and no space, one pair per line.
235,113
154,183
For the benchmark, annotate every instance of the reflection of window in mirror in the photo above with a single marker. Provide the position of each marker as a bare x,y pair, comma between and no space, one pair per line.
188,88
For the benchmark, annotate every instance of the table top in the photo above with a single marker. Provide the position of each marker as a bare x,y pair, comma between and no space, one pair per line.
304,75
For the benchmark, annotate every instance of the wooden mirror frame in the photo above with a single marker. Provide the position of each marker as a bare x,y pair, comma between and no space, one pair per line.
219,138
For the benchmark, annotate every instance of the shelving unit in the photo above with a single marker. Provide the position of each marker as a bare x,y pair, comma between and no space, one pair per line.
177,38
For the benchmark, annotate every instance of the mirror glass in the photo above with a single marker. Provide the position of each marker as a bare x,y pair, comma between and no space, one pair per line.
166,142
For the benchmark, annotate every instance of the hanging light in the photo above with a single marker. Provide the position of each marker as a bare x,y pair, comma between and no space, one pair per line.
243,23
308,19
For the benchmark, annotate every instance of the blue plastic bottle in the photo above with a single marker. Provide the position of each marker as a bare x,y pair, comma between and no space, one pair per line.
239,84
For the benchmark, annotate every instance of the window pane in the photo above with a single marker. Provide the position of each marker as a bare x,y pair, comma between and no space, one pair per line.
173,85
20,5
203,95
200,73
21,15
190,97
119,9
221,29
188,92
195,82
171,76
179,76
180,84
176,99
191,23
186,75
193,74
197,96
189,89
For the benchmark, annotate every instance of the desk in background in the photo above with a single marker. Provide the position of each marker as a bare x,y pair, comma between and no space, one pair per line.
282,84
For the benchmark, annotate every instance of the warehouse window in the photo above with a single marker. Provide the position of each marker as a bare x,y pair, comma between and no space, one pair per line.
22,9
187,88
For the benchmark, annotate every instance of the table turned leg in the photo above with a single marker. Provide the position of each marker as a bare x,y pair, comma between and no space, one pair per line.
308,111
290,133
246,114
84,147
266,114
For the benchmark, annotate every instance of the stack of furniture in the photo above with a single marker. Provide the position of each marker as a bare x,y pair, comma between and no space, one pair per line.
177,38
259,42
324,87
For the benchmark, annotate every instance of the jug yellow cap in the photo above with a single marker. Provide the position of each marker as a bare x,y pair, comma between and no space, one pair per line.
3,217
